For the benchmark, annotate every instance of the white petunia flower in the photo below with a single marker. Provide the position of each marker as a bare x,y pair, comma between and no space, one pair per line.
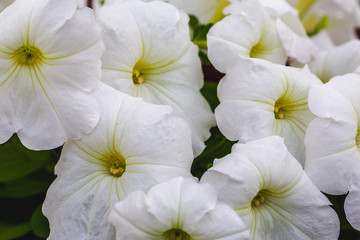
149,54
268,188
333,139
337,61
135,146
259,99
338,18
250,33
207,11
50,64
291,31
180,209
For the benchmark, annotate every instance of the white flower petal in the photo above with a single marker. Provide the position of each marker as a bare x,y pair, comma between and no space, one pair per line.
331,151
135,146
297,44
332,139
5,3
228,225
336,61
179,208
244,35
351,207
323,41
180,205
150,42
343,16
326,102
48,78
259,98
202,9
133,221
268,188
291,31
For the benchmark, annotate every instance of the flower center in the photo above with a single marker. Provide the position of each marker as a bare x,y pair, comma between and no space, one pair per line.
258,199
257,51
117,164
176,234
138,73
28,55
279,110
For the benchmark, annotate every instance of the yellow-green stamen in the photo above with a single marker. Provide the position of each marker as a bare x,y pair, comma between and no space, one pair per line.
28,55
138,73
279,110
176,234
258,199
117,164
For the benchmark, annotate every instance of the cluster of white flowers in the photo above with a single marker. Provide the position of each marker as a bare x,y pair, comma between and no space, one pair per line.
119,86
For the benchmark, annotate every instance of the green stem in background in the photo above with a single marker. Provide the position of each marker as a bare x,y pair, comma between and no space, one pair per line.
218,15
199,35
202,44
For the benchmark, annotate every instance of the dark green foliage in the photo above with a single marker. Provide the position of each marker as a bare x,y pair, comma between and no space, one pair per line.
199,32
39,224
25,176
16,161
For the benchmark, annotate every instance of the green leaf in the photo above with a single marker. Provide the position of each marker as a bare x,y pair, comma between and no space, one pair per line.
39,224
23,188
209,91
11,231
193,22
199,35
204,58
16,161
346,230
217,146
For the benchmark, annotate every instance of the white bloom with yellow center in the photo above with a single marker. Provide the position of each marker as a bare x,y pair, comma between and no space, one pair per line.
50,64
149,54
180,209
333,139
268,188
250,33
135,146
291,31
338,18
336,61
259,99
205,10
